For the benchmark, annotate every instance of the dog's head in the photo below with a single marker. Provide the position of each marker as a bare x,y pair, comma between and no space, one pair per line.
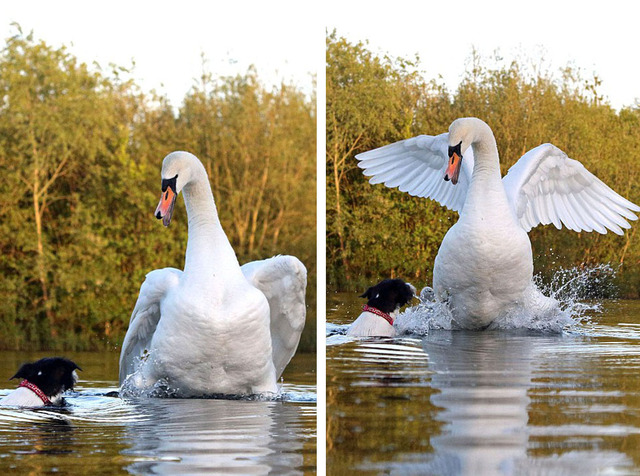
389,295
53,375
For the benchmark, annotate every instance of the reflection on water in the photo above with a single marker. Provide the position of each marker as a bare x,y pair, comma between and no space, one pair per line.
233,436
98,434
482,382
497,402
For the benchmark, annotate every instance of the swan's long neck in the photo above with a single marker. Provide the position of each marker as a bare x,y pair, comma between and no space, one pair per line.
486,187
209,253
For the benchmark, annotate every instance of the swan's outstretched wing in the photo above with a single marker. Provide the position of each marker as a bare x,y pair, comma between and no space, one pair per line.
145,317
417,166
283,280
545,186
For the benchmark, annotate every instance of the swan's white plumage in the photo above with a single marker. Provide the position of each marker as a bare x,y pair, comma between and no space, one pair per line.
145,317
416,166
207,329
545,186
484,265
283,280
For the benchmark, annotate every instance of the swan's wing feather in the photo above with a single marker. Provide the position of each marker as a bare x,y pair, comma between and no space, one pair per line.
283,280
545,186
416,166
145,317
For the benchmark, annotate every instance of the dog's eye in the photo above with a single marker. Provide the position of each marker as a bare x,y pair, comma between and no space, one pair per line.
39,372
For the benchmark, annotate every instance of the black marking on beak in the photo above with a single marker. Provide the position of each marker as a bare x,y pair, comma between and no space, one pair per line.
169,183
453,169
453,150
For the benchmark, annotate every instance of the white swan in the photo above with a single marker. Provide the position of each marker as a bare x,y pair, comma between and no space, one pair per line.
484,265
214,327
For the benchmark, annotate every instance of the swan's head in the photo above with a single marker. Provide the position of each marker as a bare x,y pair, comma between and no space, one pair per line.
462,133
178,169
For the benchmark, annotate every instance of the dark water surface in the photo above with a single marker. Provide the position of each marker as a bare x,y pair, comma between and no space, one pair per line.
97,434
492,402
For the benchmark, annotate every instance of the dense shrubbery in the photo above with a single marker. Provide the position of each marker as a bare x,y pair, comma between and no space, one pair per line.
374,232
80,154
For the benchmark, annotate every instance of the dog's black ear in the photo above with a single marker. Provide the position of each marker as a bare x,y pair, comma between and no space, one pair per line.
368,293
66,365
26,371
73,366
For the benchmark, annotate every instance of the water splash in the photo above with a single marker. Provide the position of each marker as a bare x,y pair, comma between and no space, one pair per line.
136,387
286,393
133,388
336,329
571,285
565,303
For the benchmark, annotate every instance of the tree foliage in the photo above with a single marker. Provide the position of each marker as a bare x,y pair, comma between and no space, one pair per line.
374,232
81,150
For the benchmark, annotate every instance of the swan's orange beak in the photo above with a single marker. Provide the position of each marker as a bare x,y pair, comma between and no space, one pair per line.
455,163
453,170
165,207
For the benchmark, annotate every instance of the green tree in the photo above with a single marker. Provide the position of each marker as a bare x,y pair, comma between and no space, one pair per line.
369,100
57,121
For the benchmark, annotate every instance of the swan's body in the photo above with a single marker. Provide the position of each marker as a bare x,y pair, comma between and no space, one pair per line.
210,328
484,266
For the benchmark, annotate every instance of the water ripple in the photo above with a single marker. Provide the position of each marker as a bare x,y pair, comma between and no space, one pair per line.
107,434
492,402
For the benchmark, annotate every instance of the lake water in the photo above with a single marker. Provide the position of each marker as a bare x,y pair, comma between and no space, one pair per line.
97,434
482,403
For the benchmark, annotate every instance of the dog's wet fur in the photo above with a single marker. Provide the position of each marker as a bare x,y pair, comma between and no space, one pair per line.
387,296
52,375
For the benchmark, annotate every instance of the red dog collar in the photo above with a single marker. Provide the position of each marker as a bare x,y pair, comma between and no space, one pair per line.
34,388
378,312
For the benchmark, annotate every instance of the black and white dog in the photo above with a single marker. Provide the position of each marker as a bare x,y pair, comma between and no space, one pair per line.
384,301
43,383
